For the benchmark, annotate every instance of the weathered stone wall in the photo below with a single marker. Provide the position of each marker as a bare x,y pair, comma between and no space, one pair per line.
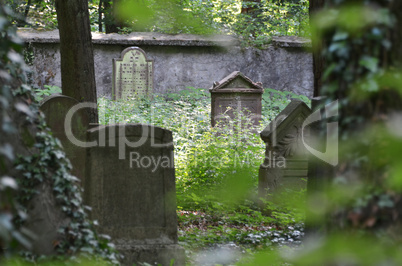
185,60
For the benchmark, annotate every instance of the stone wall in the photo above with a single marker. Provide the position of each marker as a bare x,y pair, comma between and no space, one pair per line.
182,60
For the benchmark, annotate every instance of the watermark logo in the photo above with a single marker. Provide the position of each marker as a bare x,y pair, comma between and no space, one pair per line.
330,155
272,160
150,162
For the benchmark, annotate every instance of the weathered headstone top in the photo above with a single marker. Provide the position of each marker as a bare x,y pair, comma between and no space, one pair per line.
286,128
238,93
55,108
286,159
236,82
132,74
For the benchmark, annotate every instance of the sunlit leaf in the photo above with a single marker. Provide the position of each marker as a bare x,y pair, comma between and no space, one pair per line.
135,10
369,62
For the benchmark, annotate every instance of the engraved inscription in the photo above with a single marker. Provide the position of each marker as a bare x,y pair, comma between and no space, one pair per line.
133,74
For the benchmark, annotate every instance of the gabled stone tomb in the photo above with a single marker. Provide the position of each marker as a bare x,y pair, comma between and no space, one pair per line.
238,93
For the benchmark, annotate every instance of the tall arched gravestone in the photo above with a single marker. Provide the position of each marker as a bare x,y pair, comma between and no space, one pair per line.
132,74
55,108
286,163
130,186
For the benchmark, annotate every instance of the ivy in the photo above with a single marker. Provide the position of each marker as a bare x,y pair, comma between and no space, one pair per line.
46,163
11,237
359,74
51,165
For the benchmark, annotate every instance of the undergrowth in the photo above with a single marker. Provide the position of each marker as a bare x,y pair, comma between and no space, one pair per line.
212,164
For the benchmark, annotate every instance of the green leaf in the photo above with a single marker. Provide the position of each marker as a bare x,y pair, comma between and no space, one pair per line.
370,63
340,36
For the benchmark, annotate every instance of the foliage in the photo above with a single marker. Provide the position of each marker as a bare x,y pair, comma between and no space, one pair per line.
50,162
46,164
168,16
274,101
11,67
358,39
36,13
360,209
229,232
342,249
48,90
272,18
202,229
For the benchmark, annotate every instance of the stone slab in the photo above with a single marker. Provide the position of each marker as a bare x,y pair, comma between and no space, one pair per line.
130,185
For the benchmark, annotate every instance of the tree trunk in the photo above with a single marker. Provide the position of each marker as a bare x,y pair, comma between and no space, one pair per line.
111,24
100,12
396,36
77,60
27,7
250,7
318,62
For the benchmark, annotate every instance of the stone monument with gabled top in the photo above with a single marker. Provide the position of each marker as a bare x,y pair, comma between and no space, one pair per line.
236,94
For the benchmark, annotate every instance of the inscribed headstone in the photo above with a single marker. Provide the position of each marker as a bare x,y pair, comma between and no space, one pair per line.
132,74
130,186
236,94
286,159
55,108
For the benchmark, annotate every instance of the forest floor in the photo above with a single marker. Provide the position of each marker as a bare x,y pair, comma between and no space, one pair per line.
228,238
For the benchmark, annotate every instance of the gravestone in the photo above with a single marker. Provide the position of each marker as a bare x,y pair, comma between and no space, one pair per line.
233,95
130,186
55,108
286,158
132,74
